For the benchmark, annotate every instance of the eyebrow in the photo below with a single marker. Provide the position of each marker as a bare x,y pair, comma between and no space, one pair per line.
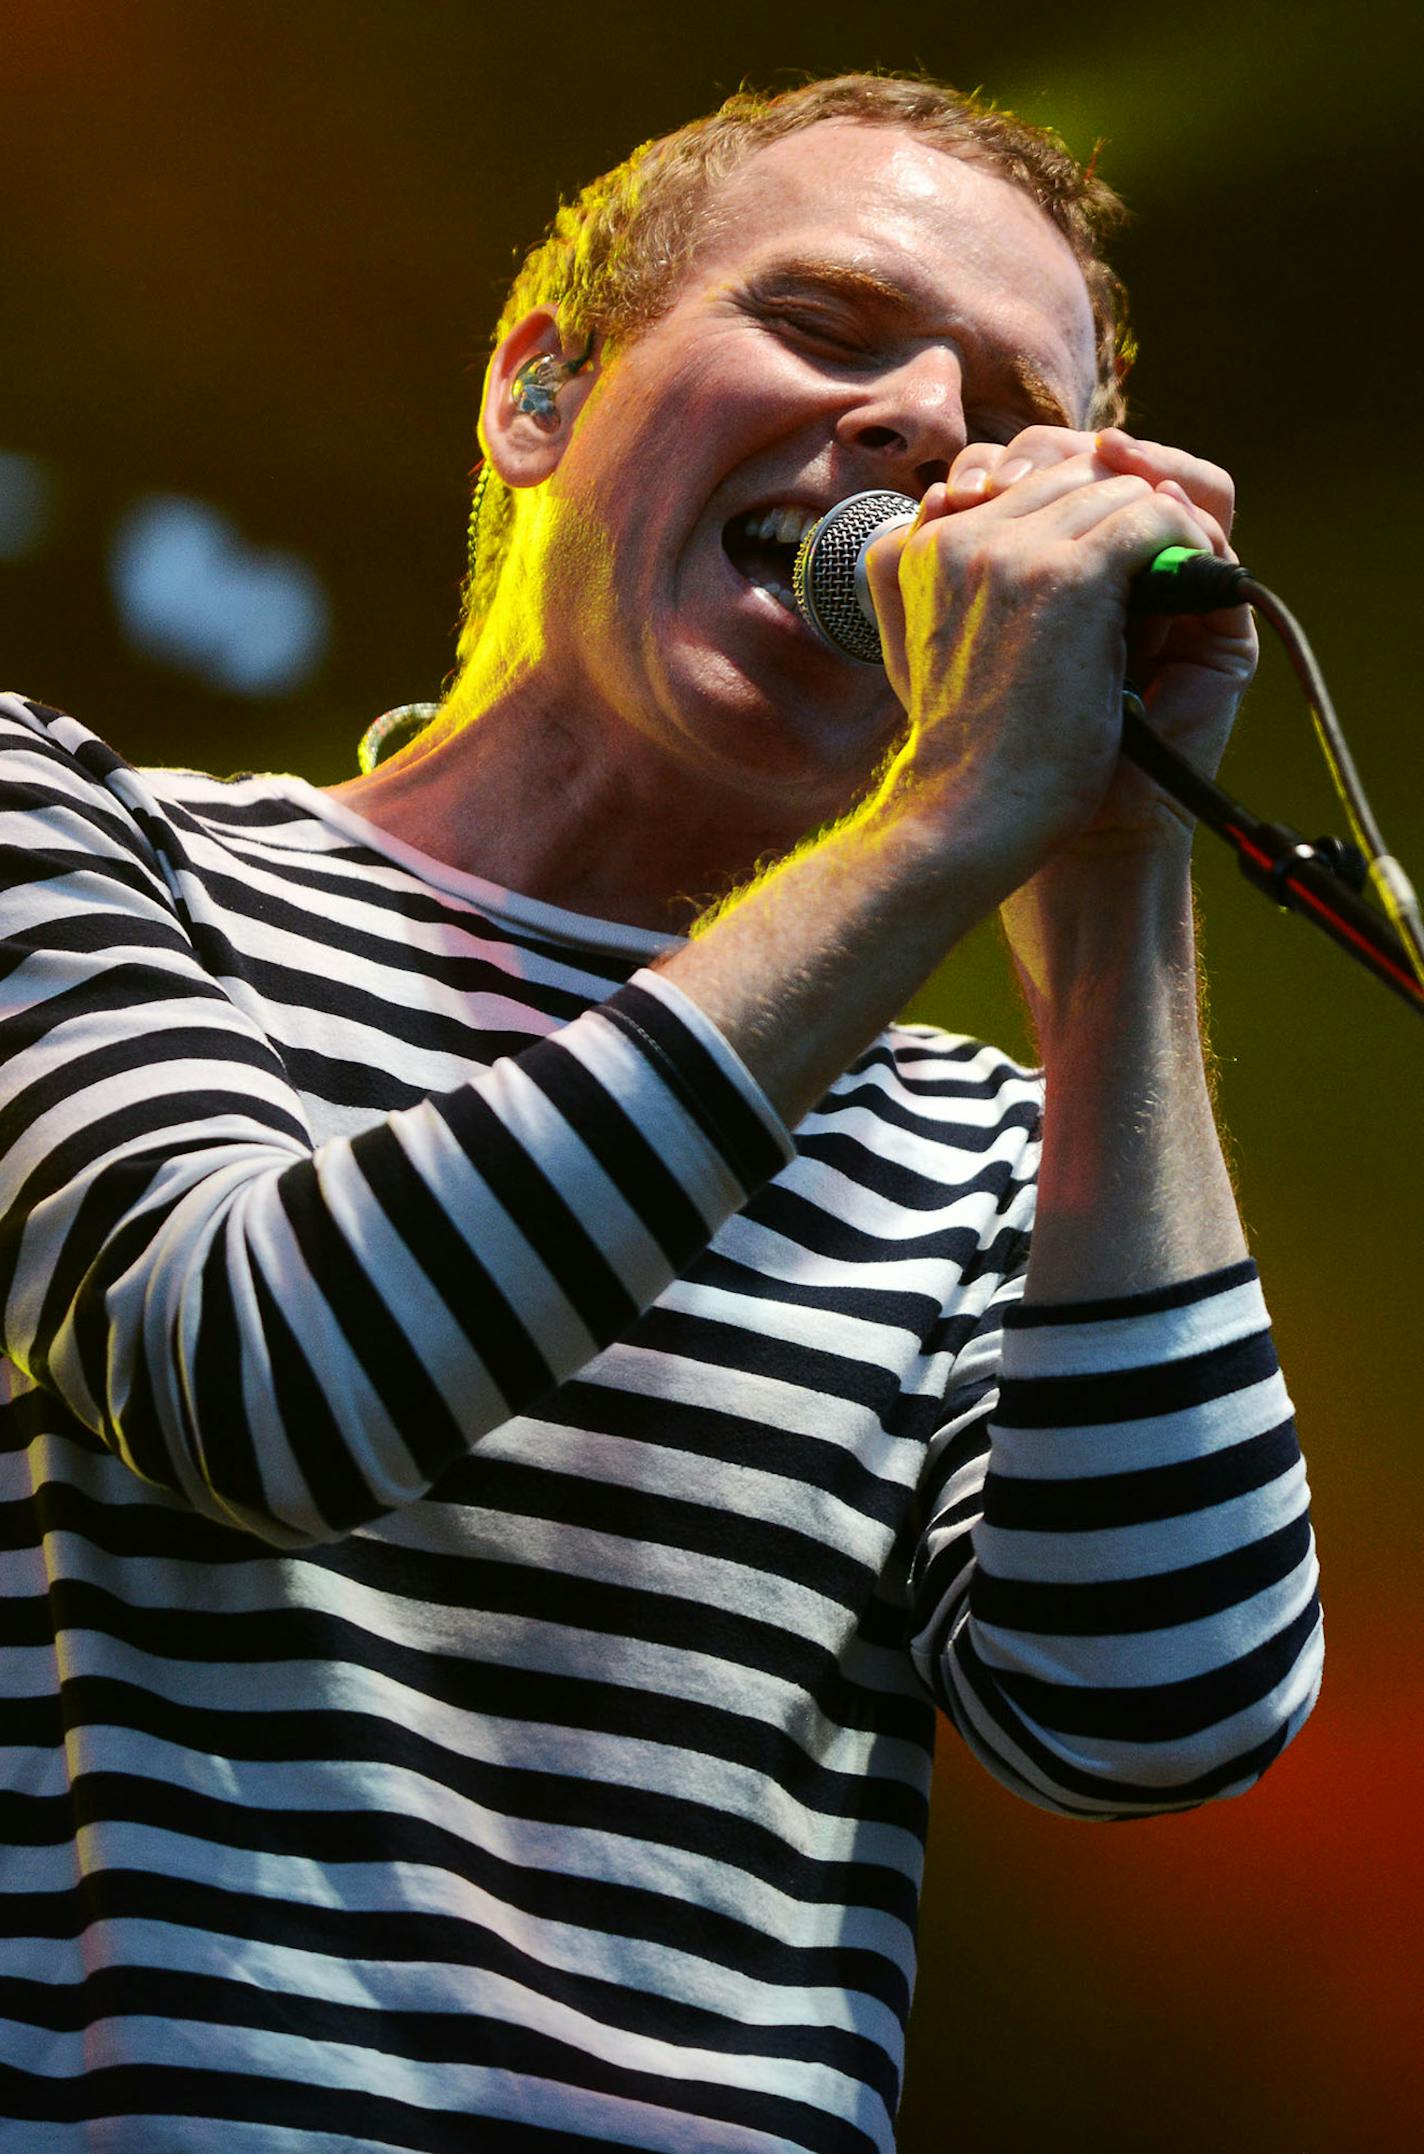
847,280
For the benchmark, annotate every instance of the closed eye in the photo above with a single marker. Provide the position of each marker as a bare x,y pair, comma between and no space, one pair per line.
820,329
849,345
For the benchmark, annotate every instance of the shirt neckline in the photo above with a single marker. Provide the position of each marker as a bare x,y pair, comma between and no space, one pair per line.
584,930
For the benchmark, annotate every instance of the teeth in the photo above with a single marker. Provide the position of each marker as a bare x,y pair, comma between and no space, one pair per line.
778,591
786,525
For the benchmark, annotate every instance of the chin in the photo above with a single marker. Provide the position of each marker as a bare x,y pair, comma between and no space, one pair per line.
747,730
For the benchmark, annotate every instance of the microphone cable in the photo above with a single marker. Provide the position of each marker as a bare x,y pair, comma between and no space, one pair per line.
1392,886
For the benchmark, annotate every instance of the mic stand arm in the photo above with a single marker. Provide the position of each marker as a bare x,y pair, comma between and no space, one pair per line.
1321,881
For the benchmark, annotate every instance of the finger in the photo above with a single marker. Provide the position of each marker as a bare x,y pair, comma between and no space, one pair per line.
1017,488
972,471
1206,485
1041,445
1059,506
1132,536
1128,519
1211,529
982,465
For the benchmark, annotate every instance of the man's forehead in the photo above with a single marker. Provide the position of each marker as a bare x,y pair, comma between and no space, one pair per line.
885,189
842,162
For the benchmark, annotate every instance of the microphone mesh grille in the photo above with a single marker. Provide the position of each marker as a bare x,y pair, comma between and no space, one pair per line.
824,581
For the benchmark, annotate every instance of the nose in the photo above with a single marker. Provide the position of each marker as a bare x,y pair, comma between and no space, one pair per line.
912,420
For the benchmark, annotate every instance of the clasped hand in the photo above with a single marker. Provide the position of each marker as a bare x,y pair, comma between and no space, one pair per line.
1003,617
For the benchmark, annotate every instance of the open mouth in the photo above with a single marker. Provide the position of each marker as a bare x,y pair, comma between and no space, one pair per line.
763,545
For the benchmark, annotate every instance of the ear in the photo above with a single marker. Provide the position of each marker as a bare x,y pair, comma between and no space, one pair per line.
523,451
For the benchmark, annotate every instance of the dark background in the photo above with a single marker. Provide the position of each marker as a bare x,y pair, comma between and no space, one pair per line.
249,255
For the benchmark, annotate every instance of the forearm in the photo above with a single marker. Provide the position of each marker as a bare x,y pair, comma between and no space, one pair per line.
804,968
1134,1191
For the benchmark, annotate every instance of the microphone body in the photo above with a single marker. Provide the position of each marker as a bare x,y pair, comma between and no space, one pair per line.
833,596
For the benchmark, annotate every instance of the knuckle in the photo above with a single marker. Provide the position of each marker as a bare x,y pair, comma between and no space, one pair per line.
1041,444
1044,440
976,456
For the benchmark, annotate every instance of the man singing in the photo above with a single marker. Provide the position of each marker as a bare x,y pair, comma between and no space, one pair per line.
527,1388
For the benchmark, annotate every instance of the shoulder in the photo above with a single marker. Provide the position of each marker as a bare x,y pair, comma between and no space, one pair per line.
64,791
50,739
54,767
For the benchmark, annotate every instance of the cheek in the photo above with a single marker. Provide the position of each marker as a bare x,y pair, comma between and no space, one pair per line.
732,394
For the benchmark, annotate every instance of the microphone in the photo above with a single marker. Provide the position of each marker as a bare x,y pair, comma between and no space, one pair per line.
833,597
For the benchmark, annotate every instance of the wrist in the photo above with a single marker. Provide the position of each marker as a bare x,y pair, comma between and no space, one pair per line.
959,860
1089,935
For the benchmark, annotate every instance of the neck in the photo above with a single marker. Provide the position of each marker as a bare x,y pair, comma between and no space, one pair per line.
578,808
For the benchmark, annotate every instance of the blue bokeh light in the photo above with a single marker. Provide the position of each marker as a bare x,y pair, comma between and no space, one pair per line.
192,593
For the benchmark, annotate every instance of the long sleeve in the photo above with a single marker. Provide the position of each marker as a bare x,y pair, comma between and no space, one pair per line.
559,1756
1115,1598
297,1337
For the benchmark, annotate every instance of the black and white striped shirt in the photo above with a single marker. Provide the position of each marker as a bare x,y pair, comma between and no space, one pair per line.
488,1517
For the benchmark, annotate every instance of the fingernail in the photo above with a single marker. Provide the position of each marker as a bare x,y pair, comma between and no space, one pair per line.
975,481
1018,469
